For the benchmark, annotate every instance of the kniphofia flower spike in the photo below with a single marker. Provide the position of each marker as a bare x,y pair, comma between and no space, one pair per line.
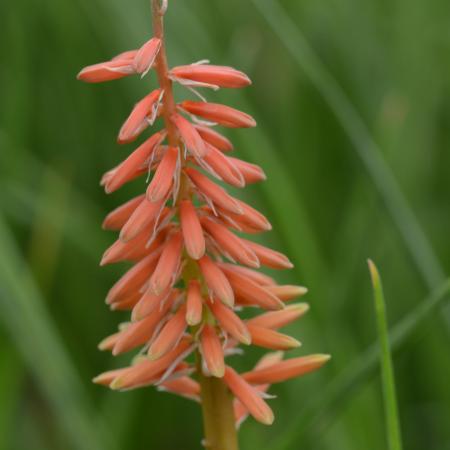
190,274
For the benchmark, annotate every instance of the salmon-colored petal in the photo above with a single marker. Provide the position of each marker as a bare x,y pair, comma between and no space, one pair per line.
194,303
216,281
250,217
127,303
149,302
223,167
135,249
106,378
146,55
248,396
222,114
230,322
133,279
212,351
137,120
109,342
267,338
216,75
250,172
184,386
147,371
170,335
212,191
168,264
162,181
127,55
287,369
143,216
287,292
133,163
258,277
230,244
278,319
117,218
269,257
194,240
250,292
214,138
106,71
190,136
140,332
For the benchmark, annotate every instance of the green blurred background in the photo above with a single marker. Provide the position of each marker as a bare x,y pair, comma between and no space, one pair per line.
352,102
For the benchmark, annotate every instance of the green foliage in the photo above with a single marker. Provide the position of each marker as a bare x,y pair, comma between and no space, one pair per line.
351,99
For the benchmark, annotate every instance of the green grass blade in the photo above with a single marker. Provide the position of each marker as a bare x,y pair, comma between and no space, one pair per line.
387,371
384,180
320,411
23,314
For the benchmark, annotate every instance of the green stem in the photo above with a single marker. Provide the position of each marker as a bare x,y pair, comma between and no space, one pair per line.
387,371
218,414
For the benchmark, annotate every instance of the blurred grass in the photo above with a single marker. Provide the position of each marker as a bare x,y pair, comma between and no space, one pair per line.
330,209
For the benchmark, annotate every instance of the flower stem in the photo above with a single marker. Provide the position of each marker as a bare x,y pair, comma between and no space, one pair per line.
218,414
216,399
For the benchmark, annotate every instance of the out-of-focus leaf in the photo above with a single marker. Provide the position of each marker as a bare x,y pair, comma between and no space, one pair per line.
23,314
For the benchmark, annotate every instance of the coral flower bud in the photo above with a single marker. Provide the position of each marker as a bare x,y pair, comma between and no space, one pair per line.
144,215
133,279
194,240
194,303
138,333
248,396
251,218
267,338
230,322
278,319
146,55
127,55
212,352
149,302
287,369
170,334
230,244
117,218
106,71
107,378
184,386
167,268
161,183
287,292
133,162
145,371
190,136
223,167
269,257
222,114
216,75
250,292
250,172
215,193
214,138
137,120
258,277
216,281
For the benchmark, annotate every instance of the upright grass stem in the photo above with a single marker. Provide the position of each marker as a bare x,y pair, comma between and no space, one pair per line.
387,371
216,399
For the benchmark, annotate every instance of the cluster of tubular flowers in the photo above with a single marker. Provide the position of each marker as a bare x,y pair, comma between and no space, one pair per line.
190,273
